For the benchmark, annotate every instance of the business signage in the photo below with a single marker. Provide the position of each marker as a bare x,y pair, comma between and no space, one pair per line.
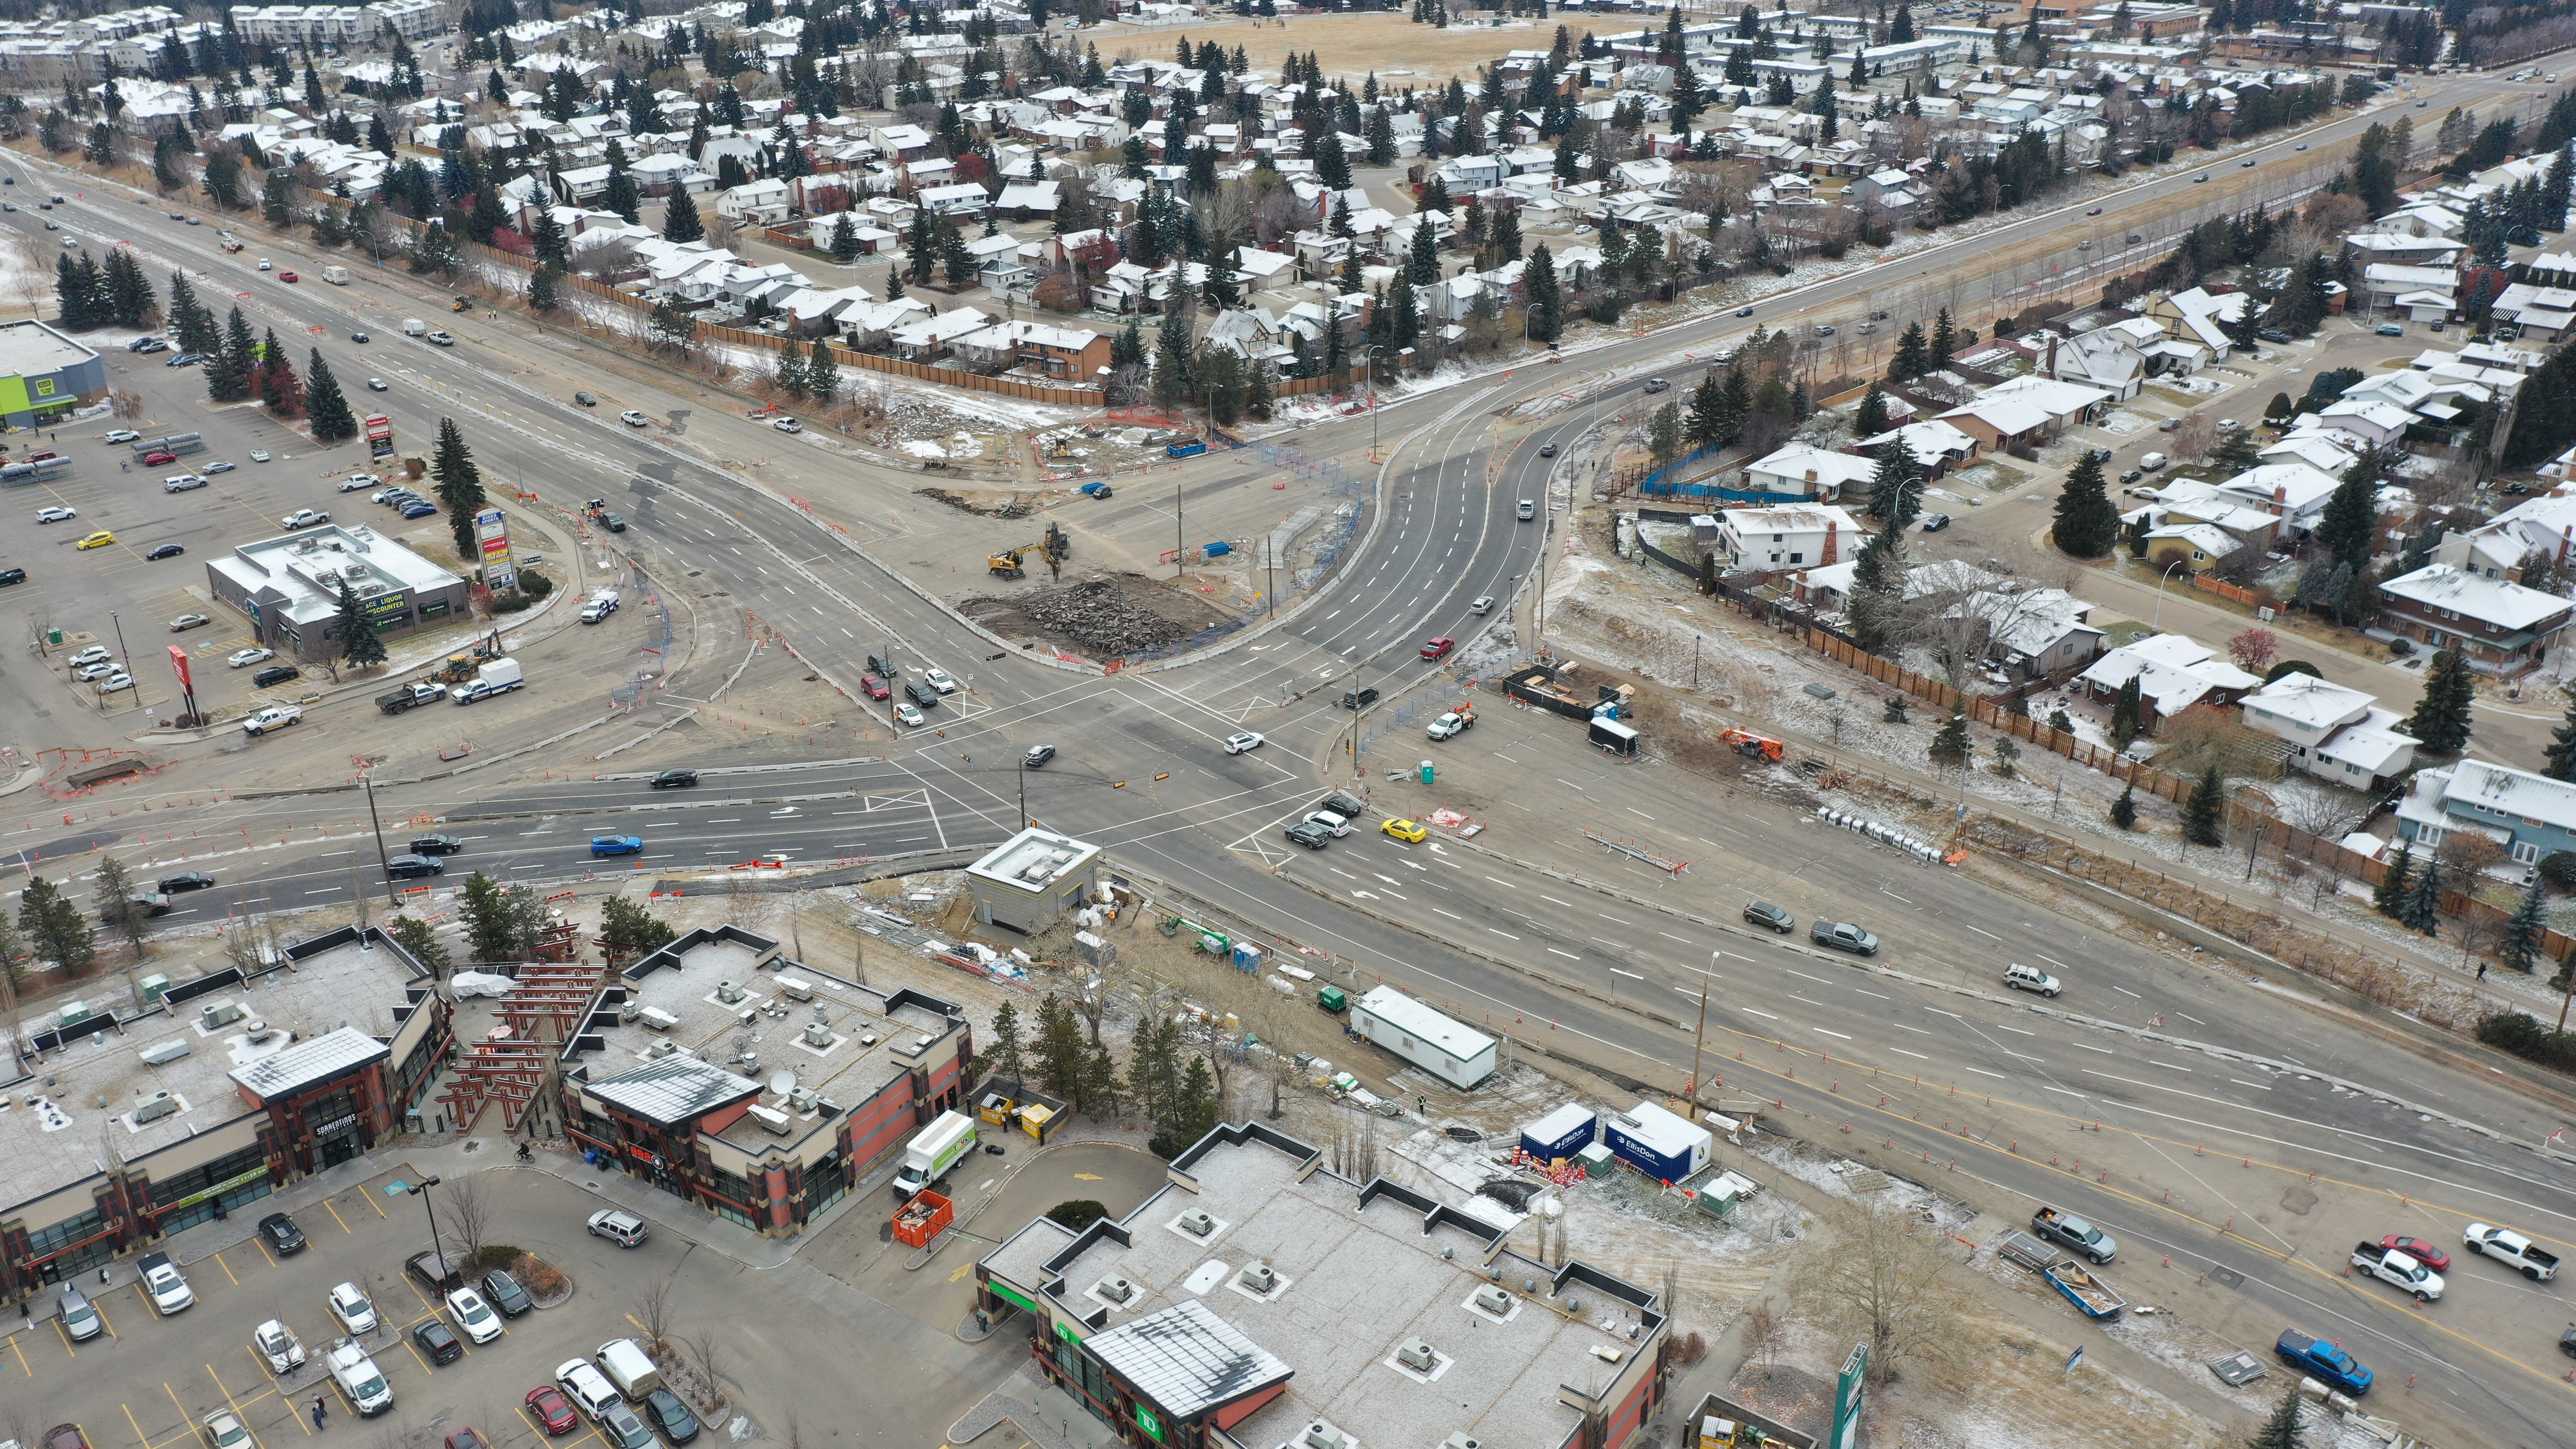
179,662
227,1185
492,539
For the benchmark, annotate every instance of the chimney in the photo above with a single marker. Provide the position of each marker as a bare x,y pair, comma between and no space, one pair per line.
1833,542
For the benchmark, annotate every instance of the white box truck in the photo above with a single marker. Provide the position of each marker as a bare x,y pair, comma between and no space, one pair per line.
336,276
500,676
414,327
934,1150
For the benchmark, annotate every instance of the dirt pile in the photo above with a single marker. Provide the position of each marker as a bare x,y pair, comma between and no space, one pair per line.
1104,614
1012,507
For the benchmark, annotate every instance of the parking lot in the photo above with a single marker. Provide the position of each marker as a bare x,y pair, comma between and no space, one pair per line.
149,1382
78,590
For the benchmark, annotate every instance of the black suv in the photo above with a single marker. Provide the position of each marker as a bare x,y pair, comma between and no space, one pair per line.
670,1416
881,666
436,1340
1310,835
283,1236
405,867
1360,698
1763,913
504,1293
1038,755
674,779
275,674
921,694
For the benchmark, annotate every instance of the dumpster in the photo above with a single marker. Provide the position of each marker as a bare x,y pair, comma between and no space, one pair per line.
923,1218
1333,999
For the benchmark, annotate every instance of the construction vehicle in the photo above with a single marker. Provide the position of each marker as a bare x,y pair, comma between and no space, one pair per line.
1746,742
461,304
1053,547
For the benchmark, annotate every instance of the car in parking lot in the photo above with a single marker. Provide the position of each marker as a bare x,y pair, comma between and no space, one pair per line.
2274,335
275,717
601,845
503,1291
242,658
165,550
466,1439
79,1316
277,1346
56,513
186,622
186,359
65,1436
1037,755
12,576
122,435
438,1341
94,654
304,518
100,539
275,674
1769,917
418,509
909,715
259,455
95,669
159,456
619,1226
623,1428
356,481
474,1317
165,1285
219,466
1438,647
553,1412
1241,741
223,1430
277,1229
670,1416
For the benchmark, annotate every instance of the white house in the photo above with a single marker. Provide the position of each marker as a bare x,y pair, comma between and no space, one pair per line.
1814,474
1786,536
2335,732
2173,674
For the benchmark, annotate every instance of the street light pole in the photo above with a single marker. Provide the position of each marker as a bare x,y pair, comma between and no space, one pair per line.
2158,620
1024,792
392,900
1699,1035
420,1190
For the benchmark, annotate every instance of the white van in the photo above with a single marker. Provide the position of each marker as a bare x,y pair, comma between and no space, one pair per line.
628,1368
414,327
336,276
2151,462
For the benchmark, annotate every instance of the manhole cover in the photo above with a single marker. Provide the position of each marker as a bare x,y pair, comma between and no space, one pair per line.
2228,1276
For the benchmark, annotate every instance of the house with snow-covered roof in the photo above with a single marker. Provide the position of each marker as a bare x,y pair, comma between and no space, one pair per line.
2498,627
2334,732
2173,674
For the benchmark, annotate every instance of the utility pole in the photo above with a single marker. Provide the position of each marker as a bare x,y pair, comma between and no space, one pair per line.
1699,1036
392,900
1180,534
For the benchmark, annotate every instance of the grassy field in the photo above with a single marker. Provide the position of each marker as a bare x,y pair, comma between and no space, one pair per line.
1399,51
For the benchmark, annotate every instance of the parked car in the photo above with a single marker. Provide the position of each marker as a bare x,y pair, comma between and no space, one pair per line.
1935,522
165,1285
219,466
503,1292
670,1416
242,658
282,1235
438,1341
275,674
79,1316
553,1412
474,1317
1843,936
277,1346
168,550
185,622
350,1305
2390,329
223,1430
1769,917
56,514
619,1226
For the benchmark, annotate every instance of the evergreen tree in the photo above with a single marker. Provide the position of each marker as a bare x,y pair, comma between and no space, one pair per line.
2441,718
1951,744
2521,944
1868,421
2395,881
787,372
621,195
1912,358
680,221
74,309
2237,451
2351,514
1878,579
2204,809
2562,750
1945,339
325,405
2124,811
1258,398
822,373
1003,1054
2087,521
129,291
280,390
545,289
672,324
353,634
1702,430
460,485
546,237
2127,723
2421,910
190,323
1892,492
845,240
1102,1087
54,927
229,368
1544,316
2281,1431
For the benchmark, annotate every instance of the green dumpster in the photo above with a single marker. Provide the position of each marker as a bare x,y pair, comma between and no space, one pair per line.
1333,999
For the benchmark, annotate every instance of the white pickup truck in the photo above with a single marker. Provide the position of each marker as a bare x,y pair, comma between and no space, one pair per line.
2504,1244
2400,1269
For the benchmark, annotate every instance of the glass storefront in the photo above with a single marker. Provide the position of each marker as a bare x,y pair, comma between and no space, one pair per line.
58,1237
215,1190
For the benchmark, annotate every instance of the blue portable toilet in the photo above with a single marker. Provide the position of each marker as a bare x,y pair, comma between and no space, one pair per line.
1219,549
1561,1133
1663,1145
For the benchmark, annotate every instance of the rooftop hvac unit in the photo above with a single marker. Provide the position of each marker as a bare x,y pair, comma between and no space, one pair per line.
1460,1440
1494,1299
1322,1435
796,988
626,1012
1415,1353
162,1053
77,1011
258,1031
1197,1224
1259,1278
1115,1289
353,571
370,590
772,1119
152,1107
153,987
662,1047
802,1099
656,1019
215,1014
729,992
817,1034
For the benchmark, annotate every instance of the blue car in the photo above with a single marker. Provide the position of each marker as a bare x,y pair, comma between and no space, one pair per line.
616,845
2324,1361
418,510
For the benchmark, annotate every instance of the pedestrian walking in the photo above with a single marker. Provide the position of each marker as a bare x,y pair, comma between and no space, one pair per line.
2482,971
319,1412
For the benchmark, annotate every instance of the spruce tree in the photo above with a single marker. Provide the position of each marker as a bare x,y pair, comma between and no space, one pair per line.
2441,719
845,240
2421,910
2127,718
1868,421
324,403
229,367
2562,750
353,634
2124,811
2281,1431
2351,515
822,373
2087,521
54,927
1951,744
680,220
545,288
1912,359
460,486
2395,881
2521,944
1893,494
2203,810
1003,1054
787,372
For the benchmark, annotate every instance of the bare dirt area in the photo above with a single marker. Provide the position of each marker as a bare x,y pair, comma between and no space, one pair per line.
1105,614
1399,52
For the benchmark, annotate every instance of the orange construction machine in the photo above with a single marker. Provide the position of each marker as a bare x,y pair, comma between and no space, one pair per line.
1746,742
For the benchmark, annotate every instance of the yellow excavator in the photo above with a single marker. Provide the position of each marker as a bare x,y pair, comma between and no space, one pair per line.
1053,547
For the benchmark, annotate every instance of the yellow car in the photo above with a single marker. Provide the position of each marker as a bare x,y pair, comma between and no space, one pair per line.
100,539
1406,830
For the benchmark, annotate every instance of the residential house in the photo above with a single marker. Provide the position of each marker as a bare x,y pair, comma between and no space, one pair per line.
2200,316
2000,424
2334,731
2531,815
2425,294
1937,446
2102,358
1058,353
1785,536
2539,314
755,203
2173,674
2499,627
1812,474
927,339
2034,634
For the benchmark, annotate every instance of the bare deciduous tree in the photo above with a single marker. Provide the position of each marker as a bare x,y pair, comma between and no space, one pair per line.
706,1355
1764,1335
1884,1276
468,1220
653,1310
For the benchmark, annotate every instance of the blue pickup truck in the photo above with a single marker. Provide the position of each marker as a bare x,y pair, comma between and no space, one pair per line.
2322,1360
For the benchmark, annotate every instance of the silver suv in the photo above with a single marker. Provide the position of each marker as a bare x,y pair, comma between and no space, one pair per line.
622,1228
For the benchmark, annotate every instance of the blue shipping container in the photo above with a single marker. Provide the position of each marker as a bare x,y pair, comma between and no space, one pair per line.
1561,1133
1663,1145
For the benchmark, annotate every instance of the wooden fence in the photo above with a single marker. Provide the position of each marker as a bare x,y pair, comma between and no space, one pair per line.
2281,836
2250,598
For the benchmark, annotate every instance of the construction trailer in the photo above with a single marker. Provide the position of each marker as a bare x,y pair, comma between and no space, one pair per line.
1561,1133
1440,1045
1665,1146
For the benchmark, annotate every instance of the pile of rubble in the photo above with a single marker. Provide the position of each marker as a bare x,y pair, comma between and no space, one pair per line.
1097,614
1012,507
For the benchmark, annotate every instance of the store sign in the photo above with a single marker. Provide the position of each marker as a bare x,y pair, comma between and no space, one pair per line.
386,610
216,1190
492,542
334,1129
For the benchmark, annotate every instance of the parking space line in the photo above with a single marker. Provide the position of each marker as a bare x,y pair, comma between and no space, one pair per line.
335,1214
139,1436
22,1357
174,1403
64,1334
264,1252
233,1404
228,1269
366,1197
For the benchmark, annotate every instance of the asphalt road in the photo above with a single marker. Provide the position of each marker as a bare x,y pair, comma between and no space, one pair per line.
1441,535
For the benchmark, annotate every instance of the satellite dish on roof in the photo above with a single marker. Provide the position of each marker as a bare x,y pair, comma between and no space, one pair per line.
782,1081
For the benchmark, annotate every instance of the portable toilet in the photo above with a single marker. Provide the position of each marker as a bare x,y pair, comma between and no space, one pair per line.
1247,957
1561,1133
1663,1145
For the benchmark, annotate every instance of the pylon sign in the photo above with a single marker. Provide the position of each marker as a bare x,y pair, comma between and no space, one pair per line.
1847,1398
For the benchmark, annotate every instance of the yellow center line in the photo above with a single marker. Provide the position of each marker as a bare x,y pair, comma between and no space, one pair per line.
335,1215
228,1269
